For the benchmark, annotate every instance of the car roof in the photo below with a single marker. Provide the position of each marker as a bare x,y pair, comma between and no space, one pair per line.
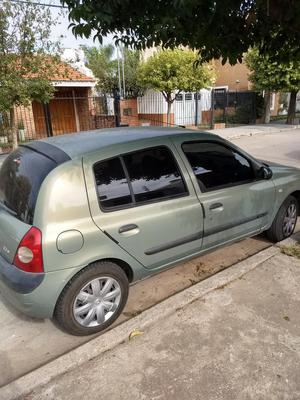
78,144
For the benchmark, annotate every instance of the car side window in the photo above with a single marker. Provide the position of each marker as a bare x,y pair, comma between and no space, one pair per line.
112,186
216,166
135,178
154,175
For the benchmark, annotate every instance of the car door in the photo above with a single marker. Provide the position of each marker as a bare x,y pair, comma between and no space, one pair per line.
235,202
145,201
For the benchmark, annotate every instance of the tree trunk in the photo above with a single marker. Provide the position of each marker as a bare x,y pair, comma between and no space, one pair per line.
169,113
292,108
267,110
13,133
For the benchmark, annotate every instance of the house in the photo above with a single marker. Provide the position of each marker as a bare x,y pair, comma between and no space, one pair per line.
73,108
236,78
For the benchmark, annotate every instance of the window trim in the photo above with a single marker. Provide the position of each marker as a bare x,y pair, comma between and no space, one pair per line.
133,203
201,186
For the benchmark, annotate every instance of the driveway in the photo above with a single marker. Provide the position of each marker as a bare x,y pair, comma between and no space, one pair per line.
25,344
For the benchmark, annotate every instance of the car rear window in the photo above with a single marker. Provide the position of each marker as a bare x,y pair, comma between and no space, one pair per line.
21,176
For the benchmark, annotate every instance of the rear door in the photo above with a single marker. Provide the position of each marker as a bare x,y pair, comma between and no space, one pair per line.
144,200
236,204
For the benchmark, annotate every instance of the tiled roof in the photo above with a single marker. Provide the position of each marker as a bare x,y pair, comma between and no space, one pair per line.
66,72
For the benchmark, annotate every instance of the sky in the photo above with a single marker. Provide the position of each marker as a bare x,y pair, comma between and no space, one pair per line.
69,40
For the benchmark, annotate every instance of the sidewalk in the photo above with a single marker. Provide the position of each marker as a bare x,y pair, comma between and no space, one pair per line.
251,130
235,335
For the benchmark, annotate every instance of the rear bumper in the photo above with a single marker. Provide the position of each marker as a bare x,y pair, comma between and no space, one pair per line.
18,280
41,300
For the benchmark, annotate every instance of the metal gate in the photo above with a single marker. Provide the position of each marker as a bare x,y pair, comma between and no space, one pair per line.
187,109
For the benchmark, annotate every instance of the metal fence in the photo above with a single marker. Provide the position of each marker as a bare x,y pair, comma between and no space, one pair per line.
61,115
71,114
186,108
232,107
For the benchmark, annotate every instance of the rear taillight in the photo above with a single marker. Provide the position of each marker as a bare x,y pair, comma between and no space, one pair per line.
29,256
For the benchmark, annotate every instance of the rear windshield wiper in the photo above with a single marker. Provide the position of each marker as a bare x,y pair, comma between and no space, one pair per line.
9,210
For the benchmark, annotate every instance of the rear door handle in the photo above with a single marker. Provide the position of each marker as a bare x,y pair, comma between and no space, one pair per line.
128,230
216,207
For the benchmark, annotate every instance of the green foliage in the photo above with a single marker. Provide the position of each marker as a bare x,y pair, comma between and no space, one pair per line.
259,105
220,29
267,74
104,65
173,71
25,61
24,47
242,115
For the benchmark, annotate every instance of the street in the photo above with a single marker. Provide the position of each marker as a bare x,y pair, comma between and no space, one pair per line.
26,344
281,147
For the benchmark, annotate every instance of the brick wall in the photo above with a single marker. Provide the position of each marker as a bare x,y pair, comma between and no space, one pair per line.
129,112
155,119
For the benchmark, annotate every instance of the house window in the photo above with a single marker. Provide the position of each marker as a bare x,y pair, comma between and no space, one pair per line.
127,111
178,97
188,96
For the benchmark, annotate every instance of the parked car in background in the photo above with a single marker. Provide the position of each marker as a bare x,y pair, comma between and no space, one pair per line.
82,216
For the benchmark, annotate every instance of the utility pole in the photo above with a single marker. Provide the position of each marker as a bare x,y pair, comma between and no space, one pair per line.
123,70
119,72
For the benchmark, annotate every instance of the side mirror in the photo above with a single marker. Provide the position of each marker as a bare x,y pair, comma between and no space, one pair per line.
265,172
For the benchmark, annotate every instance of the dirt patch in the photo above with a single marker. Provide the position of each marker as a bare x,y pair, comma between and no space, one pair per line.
292,250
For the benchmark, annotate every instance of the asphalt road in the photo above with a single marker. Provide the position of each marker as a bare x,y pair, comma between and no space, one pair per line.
26,344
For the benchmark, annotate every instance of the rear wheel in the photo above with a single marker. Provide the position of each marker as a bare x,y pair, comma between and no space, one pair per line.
285,221
93,299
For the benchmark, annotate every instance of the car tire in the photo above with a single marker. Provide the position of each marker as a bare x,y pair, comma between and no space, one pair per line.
283,225
93,299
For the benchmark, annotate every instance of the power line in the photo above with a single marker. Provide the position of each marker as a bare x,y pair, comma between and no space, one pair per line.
38,4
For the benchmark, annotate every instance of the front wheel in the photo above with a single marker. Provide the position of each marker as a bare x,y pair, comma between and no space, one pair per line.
285,221
93,299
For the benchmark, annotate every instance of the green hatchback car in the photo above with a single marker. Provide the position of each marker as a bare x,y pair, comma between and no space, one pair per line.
82,216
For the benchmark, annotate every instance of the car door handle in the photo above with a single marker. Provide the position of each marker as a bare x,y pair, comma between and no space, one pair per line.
216,207
128,230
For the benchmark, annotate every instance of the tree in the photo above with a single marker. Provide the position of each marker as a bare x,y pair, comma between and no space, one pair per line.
269,75
173,71
25,61
220,29
104,65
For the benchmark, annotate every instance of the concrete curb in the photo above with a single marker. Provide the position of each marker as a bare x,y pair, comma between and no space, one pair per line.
86,352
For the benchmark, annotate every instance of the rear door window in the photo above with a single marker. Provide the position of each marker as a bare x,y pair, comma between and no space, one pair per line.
143,176
21,176
112,185
154,175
